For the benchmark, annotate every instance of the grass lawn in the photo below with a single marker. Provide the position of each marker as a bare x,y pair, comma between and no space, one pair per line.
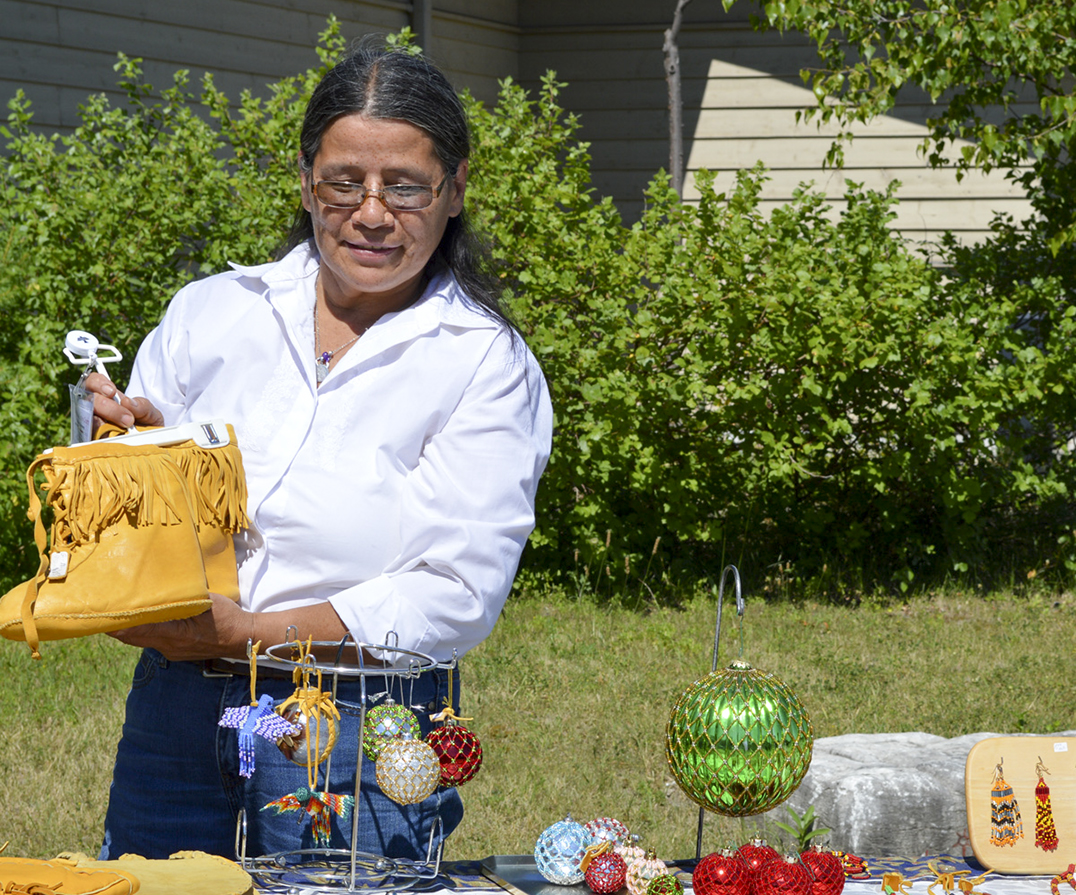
570,701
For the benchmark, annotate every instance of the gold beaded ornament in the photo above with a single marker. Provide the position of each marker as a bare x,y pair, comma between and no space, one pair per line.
311,709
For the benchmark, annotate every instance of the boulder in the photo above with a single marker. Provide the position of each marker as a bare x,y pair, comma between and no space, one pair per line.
887,793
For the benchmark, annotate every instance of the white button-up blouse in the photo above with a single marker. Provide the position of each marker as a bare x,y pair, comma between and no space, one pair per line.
401,490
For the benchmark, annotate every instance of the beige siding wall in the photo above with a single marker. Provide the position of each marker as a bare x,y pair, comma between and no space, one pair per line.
58,52
741,90
741,93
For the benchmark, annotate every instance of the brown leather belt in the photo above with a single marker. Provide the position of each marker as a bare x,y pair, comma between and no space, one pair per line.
219,667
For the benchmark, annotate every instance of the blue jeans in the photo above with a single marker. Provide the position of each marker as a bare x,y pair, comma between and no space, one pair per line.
176,784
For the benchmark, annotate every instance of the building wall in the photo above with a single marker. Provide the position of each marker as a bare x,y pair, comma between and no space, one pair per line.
58,52
741,91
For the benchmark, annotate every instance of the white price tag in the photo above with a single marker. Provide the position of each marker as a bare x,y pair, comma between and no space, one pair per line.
1061,747
58,564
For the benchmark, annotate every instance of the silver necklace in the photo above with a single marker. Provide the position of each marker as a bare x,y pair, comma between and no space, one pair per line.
322,359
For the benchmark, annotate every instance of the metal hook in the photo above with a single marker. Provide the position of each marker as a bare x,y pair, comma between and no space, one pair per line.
730,569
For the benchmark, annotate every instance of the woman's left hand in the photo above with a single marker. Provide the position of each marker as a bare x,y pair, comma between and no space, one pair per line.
219,632
223,630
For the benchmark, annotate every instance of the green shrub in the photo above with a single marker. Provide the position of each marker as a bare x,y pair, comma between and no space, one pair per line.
796,389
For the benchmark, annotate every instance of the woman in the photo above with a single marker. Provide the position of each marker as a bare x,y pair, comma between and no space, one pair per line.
393,430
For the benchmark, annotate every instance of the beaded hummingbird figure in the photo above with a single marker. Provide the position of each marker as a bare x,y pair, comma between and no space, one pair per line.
320,806
256,719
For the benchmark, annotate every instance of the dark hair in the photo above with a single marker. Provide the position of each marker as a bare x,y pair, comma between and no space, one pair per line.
379,82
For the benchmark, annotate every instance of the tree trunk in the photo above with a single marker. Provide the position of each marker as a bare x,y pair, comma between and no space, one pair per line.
676,105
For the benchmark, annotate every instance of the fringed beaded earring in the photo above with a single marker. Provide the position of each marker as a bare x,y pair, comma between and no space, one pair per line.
1005,823
1045,832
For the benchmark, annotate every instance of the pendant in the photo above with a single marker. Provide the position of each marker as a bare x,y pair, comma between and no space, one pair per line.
321,370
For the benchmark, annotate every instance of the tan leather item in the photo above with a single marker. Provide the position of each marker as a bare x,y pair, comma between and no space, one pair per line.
122,548
29,876
218,489
185,873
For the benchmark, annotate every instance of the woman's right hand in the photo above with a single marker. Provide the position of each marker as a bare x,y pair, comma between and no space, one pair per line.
126,412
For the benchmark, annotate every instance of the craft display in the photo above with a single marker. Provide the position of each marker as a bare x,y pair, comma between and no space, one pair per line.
721,873
1004,777
666,884
388,721
606,873
559,852
642,870
738,741
826,869
407,770
782,876
457,748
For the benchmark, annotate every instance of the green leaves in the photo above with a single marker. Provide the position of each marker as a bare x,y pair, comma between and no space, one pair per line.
796,387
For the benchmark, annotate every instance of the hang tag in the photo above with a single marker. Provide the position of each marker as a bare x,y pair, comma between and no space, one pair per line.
58,564
81,412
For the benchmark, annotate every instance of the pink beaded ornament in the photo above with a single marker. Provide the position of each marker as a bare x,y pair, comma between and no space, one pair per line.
642,870
606,873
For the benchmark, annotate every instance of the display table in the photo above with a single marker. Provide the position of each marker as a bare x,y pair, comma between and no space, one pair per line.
518,875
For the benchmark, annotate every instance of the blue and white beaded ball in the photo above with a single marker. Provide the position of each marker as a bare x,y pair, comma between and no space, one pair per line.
559,851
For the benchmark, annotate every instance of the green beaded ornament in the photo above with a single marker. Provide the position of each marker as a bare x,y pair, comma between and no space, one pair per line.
388,721
738,741
666,884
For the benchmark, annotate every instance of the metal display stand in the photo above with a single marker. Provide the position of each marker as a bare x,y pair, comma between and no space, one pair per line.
313,871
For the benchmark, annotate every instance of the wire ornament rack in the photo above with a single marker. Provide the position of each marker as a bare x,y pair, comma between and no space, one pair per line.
314,871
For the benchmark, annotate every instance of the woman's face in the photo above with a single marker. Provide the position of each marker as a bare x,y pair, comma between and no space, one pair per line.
373,257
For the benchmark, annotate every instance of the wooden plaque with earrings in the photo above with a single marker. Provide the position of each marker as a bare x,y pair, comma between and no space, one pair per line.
1021,801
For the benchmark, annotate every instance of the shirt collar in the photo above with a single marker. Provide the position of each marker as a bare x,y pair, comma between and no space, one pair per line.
442,302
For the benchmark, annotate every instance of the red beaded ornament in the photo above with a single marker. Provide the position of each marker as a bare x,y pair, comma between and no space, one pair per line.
665,884
783,876
721,874
606,873
459,752
826,868
756,853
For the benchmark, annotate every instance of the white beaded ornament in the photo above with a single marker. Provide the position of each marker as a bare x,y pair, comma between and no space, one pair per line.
407,770
607,828
559,851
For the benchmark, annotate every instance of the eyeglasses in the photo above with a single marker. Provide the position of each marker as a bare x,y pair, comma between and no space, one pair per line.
398,196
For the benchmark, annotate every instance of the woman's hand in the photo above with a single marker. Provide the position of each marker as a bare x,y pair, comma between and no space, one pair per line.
219,632
222,631
126,412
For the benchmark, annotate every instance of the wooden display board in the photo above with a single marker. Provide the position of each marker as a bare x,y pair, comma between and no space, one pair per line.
1019,756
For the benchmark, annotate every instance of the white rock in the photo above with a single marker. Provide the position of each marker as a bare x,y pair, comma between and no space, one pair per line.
887,793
